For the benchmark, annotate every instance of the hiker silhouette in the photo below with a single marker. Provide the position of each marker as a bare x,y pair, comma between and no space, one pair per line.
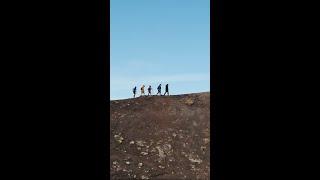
134,91
142,90
159,90
167,90
149,90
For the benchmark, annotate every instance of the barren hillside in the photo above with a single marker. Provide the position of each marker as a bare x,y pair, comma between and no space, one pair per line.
160,137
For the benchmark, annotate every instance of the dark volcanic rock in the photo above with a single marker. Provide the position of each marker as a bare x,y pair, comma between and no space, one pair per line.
160,137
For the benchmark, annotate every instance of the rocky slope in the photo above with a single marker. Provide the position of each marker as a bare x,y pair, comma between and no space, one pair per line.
160,137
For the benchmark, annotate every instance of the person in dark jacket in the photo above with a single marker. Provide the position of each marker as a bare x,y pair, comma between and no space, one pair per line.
167,90
159,89
149,90
134,91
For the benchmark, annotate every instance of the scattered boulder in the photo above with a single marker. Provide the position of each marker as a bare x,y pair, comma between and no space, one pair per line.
189,101
118,138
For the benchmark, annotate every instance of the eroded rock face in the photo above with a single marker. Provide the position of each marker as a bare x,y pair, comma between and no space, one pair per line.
160,137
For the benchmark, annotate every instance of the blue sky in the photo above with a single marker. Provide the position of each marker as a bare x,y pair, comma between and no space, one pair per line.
159,41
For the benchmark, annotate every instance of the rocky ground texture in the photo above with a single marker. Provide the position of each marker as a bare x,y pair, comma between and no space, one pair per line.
160,137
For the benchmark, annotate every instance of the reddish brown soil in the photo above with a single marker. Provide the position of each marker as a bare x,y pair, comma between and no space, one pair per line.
160,137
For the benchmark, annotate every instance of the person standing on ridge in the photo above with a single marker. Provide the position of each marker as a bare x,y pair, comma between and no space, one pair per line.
142,90
134,91
159,90
149,90
167,90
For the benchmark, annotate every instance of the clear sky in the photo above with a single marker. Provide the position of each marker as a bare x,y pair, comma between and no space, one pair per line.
159,41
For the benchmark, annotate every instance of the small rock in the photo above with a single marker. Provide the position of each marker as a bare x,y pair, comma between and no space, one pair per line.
206,140
144,177
195,160
127,162
118,138
161,152
189,102
140,165
161,167
194,123
140,143
167,147
131,142
144,153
